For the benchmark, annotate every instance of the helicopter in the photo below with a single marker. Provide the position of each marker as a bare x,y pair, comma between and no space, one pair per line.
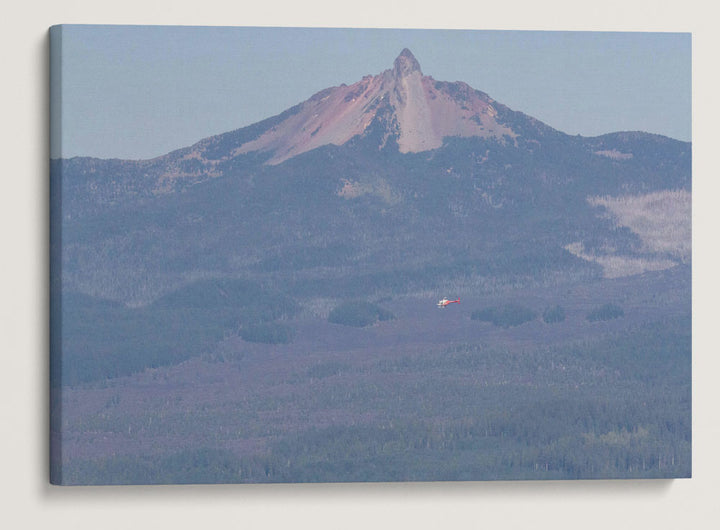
442,304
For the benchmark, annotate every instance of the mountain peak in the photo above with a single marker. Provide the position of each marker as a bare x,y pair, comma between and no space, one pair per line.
405,64
402,103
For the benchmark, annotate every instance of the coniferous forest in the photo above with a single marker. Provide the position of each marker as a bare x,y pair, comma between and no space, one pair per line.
444,397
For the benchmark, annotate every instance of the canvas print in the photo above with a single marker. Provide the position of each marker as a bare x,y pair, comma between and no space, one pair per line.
350,255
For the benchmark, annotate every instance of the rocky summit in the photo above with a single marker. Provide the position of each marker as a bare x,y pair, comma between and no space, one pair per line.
415,109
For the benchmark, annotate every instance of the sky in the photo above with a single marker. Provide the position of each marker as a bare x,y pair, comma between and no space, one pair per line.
136,92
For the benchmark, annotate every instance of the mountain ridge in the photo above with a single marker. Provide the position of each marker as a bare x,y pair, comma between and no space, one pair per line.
411,111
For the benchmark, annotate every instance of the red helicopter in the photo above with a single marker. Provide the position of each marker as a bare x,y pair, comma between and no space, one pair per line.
442,304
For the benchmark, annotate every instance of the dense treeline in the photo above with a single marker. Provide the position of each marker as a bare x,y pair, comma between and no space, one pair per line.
268,333
103,339
358,313
193,466
605,312
504,316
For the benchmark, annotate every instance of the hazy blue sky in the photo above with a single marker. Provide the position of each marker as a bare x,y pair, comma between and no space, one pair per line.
142,91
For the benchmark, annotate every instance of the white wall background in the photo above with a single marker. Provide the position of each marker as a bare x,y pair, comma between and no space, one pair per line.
26,499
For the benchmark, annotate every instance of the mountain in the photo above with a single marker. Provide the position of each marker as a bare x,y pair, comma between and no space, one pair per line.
395,183
400,105
261,306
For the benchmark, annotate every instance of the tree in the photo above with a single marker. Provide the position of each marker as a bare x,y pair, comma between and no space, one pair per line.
505,316
553,314
358,313
605,312
268,333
